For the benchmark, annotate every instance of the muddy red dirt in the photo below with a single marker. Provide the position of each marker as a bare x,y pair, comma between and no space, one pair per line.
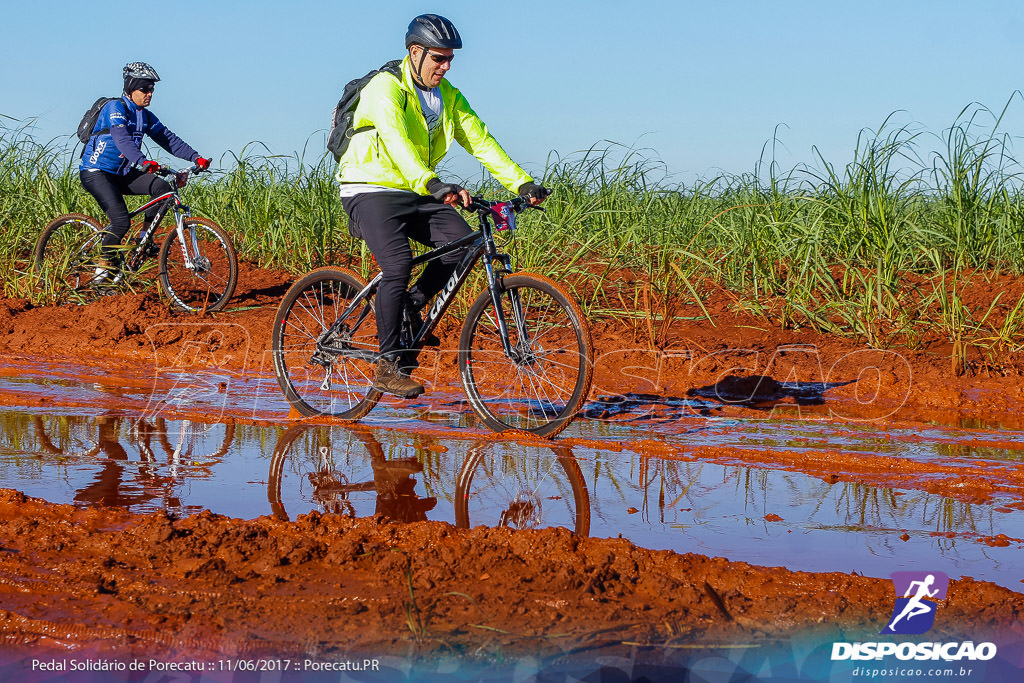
129,585
723,359
119,583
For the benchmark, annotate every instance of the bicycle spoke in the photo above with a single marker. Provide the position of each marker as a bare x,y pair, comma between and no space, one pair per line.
539,388
205,277
327,379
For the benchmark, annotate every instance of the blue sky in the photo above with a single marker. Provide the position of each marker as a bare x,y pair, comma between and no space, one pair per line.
703,85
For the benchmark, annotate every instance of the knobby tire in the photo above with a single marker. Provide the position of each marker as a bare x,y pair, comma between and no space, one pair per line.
206,290
543,389
309,308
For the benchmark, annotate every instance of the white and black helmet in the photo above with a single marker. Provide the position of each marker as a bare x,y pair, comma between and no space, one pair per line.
433,30
140,70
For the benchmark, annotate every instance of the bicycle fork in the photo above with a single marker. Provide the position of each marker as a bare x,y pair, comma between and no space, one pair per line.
189,242
494,286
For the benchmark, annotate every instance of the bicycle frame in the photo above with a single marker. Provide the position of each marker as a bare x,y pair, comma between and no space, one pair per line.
168,200
478,244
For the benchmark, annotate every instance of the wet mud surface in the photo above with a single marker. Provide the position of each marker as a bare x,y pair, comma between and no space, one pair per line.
330,584
764,482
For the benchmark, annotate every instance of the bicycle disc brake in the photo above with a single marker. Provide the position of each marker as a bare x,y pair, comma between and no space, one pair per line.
201,264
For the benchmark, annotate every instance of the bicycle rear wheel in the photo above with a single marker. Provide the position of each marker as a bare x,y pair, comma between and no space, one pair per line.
208,283
320,371
66,255
540,386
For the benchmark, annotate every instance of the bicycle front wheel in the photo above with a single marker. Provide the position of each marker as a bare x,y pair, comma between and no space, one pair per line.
540,382
201,274
66,255
325,368
522,487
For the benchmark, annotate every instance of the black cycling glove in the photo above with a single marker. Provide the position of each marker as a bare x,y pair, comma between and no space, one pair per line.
439,189
531,190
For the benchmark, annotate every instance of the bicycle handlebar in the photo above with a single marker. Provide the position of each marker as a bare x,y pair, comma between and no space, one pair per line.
517,204
192,170
180,177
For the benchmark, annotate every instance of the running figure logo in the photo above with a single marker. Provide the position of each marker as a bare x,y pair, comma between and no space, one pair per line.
915,611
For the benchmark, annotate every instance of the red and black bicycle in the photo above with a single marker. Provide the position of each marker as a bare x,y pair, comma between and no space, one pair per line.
198,268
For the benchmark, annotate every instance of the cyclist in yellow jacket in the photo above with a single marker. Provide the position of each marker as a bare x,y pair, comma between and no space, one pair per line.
391,192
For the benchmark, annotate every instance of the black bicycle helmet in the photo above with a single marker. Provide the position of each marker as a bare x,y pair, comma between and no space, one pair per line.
140,70
433,30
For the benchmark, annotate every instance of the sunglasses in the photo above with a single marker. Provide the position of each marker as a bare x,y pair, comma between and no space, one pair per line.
441,59
145,88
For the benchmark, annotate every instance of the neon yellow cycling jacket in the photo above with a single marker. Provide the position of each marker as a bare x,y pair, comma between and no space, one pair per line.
397,151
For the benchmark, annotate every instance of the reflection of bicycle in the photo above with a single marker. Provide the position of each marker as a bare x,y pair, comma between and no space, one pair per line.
525,352
79,435
348,476
507,485
187,445
67,435
198,265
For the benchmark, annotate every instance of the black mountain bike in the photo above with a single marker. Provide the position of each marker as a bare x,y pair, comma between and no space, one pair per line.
198,265
525,353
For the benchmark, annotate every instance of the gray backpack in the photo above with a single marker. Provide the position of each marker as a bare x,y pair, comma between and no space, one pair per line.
341,123
88,121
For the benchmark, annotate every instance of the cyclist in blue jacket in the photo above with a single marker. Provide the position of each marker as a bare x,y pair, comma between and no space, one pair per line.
113,164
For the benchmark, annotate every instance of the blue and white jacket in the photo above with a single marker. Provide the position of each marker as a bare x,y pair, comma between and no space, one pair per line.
119,150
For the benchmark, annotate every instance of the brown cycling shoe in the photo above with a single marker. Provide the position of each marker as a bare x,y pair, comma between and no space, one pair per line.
390,380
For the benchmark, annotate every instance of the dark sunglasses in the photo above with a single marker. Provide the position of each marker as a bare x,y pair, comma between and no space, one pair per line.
145,88
441,59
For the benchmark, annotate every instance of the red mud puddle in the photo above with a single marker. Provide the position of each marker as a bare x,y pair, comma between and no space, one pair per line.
741,362
806,494
208,599
328,588
971,465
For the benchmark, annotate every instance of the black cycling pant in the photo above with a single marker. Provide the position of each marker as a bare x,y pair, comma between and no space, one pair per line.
109,190
386,221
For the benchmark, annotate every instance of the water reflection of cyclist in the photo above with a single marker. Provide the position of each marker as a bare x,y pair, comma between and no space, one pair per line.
333,490
108,488
148,481
113,164
389,188
396,490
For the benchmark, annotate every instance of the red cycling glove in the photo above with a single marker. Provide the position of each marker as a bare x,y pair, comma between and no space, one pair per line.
149,166
202,163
